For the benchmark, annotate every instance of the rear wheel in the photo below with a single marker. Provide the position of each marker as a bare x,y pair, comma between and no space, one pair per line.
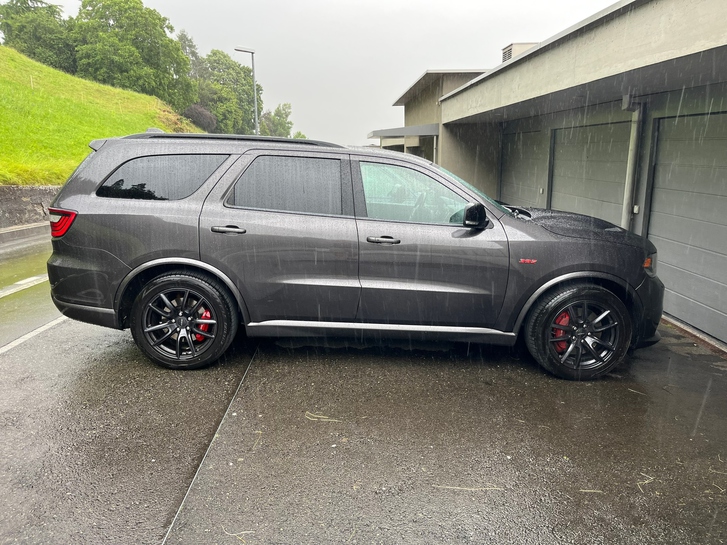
183,320
579,332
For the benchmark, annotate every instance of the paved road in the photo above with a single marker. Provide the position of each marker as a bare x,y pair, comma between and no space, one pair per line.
96,444
24,294
352,444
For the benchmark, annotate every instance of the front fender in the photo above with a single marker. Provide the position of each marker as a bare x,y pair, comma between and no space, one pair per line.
514,321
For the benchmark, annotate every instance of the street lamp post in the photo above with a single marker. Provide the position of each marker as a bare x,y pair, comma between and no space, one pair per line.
254,85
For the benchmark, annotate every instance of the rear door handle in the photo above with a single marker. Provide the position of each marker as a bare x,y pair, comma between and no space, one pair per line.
232,229
383,240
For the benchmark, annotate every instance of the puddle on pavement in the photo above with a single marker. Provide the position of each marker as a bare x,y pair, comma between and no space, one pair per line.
18,267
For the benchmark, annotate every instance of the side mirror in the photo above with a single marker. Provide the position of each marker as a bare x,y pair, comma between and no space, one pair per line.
475,216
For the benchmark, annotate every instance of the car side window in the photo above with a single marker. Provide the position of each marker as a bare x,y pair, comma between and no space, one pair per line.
293,184
398,193
160,177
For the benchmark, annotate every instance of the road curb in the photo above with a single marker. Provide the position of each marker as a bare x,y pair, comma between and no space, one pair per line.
20,232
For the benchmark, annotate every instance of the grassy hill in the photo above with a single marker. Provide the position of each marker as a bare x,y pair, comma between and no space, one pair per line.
47,119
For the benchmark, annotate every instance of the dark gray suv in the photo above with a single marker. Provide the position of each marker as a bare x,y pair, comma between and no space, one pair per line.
182,238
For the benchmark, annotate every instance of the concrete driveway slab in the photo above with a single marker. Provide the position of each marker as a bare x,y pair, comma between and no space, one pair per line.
351,445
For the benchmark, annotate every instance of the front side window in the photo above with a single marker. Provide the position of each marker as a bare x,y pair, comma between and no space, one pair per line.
401,194
475,190
292,184
160,177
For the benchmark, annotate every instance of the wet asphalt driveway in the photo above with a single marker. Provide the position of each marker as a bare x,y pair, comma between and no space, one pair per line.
357,445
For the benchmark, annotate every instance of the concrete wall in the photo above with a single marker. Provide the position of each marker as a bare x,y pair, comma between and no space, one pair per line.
425,109
22,205
472,152
653,32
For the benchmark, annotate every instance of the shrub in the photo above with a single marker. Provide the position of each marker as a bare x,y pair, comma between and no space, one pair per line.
201,116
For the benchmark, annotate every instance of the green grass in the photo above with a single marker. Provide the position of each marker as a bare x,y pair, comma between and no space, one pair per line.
48,118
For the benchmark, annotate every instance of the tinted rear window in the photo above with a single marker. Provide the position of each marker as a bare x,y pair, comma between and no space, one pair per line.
160,177
293,184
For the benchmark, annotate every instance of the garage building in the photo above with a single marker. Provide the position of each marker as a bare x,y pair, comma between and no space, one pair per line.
622,116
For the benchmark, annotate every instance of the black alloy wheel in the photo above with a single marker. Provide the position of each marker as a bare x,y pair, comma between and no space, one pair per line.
579,332
183,320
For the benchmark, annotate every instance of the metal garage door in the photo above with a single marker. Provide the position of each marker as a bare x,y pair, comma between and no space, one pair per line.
688,221
589,170
525,168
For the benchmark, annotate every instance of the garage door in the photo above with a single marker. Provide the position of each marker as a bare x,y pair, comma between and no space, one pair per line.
589,170
525,168
688,221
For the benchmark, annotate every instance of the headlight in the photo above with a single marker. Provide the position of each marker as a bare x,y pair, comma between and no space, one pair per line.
650,264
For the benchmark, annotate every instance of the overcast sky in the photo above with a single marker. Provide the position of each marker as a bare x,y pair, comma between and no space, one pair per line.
342,63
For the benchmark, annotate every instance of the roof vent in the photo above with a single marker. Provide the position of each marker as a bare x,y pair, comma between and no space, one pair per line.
507,53
513,50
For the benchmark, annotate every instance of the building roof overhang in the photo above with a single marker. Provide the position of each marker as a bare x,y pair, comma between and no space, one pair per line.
429,77
696,70
626,49
400,132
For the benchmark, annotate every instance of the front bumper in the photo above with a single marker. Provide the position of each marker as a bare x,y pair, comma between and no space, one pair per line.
651,297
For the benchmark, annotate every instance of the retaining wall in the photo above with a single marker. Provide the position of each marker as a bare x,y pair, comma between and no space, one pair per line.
22,205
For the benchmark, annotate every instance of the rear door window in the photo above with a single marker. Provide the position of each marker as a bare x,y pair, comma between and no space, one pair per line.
309,185
160,177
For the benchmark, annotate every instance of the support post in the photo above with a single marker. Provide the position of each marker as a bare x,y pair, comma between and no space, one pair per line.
637,109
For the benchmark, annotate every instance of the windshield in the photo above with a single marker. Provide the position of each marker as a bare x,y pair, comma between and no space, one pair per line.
472,188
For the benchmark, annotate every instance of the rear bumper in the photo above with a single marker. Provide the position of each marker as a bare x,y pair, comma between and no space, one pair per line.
105,317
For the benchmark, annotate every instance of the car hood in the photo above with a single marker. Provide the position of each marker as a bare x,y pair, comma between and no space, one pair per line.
569,224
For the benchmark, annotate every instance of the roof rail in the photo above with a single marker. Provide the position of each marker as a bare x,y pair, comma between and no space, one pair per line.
233,137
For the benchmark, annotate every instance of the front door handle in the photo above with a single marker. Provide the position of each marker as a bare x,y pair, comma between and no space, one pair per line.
232,229
383,240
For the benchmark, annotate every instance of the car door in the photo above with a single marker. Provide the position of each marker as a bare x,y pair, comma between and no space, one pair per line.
418,264
282,228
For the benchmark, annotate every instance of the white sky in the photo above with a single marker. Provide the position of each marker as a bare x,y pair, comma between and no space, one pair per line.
342,63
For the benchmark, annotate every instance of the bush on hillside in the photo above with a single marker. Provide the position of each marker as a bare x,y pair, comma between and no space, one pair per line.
201,116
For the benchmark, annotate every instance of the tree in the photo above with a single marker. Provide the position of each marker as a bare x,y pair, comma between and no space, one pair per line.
278,123
124,44
299,135
35,28
189,48
221,101
225,89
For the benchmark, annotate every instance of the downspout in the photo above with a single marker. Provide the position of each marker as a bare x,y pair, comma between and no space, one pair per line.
435,159
637,109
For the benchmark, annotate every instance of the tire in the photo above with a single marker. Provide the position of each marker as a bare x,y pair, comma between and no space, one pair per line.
579,332
183,320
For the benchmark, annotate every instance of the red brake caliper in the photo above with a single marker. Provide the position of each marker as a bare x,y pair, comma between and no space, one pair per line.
204,327
562,319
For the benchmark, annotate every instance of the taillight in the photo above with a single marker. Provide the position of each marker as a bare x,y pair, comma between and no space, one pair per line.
60,221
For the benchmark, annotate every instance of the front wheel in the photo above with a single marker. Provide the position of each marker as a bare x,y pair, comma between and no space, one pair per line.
183,320
579,332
